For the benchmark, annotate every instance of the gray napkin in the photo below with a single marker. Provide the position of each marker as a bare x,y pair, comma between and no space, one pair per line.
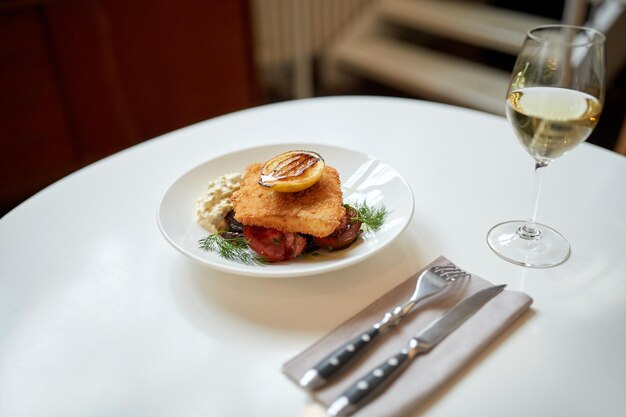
428,372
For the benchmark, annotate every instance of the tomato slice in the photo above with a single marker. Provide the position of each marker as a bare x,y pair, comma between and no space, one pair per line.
273,244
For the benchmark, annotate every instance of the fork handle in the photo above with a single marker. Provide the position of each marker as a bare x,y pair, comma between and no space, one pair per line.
337,360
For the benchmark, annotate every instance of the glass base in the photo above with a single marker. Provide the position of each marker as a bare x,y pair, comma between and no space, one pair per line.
547,248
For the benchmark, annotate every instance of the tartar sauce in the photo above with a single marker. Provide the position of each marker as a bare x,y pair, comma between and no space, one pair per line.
215,202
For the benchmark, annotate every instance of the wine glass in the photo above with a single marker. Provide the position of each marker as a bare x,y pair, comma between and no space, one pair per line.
554,101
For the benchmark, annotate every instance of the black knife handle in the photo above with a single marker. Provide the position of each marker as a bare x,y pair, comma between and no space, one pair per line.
369,385
337,360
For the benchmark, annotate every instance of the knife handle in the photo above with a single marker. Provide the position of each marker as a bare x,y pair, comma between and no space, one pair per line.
369,385
337,360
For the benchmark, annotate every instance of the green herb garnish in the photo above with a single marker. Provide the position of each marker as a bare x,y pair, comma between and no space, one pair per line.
233,249
236,248
372,217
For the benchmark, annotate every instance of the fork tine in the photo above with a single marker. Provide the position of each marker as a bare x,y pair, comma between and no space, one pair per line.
454,277
446,270
450,272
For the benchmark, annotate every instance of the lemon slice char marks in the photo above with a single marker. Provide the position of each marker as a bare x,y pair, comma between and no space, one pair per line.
292,171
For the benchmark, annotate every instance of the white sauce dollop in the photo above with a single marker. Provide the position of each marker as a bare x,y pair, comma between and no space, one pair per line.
215,203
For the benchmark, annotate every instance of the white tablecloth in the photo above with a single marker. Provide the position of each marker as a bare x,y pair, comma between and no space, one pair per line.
100,316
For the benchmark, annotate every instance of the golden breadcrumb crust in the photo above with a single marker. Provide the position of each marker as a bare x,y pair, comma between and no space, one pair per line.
315,211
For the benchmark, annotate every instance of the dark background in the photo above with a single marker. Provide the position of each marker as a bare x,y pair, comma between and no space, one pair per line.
82,79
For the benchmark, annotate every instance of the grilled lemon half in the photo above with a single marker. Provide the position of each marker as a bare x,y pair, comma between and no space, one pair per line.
292,171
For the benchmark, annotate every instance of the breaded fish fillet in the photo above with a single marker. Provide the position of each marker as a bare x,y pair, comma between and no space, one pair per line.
315,211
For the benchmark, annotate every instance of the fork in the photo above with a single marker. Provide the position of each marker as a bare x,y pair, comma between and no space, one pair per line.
430,282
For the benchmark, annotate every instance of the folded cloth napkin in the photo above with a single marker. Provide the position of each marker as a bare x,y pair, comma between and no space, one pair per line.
428,372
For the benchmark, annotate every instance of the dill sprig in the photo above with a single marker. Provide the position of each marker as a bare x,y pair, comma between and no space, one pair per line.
233,249
372,217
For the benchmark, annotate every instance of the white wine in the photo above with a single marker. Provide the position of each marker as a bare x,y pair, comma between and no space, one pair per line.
550,121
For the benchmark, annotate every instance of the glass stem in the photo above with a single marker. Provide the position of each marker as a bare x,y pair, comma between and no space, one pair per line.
529,230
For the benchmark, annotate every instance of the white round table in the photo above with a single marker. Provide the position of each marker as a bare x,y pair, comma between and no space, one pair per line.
100,316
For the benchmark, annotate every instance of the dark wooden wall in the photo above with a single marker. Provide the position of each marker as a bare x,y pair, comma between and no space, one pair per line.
81,79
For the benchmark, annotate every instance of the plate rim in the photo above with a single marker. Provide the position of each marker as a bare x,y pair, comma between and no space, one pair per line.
261,271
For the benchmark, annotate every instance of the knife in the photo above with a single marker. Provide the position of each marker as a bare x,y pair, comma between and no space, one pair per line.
374,382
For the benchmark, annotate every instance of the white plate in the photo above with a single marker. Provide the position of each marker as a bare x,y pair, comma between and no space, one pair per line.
363,178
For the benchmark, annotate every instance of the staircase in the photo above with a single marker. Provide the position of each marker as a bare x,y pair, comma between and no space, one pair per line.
393,45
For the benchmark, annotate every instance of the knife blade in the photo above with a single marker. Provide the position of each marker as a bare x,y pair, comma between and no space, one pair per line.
373,383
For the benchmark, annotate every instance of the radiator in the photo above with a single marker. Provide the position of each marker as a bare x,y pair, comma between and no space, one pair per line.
289,33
